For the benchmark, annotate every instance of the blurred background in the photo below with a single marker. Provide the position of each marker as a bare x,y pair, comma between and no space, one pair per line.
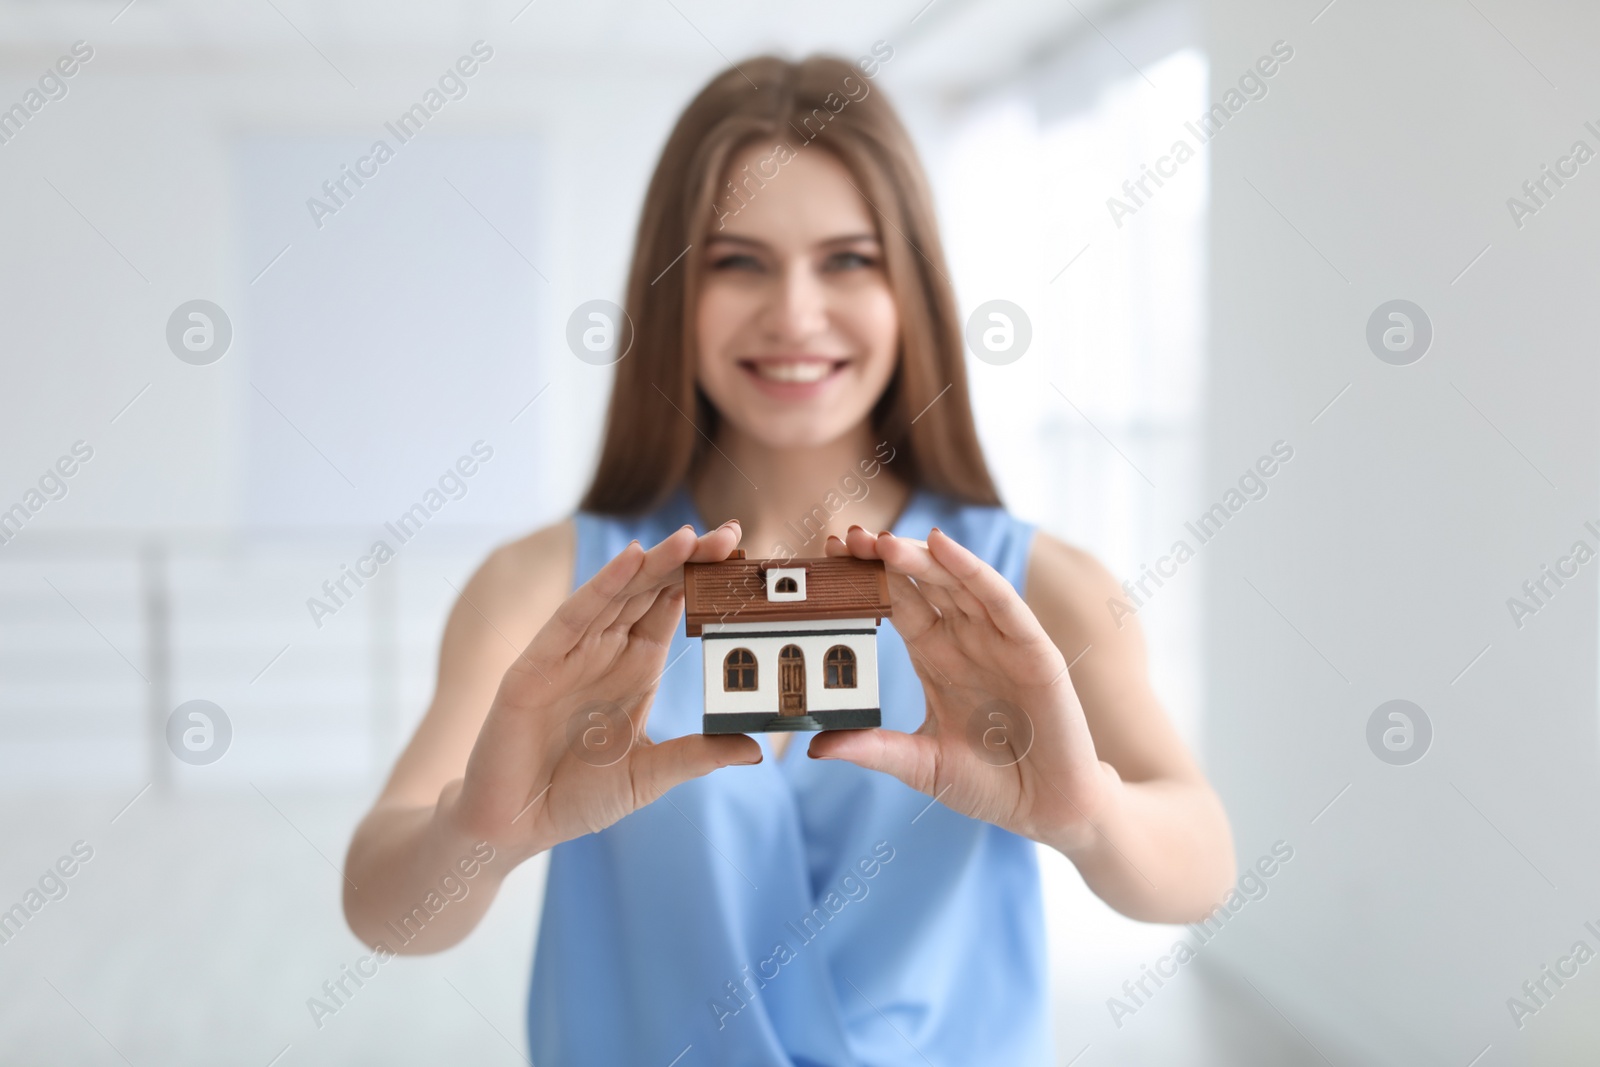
175,507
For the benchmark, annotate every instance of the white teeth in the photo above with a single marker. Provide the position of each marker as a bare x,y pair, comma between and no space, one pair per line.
807,371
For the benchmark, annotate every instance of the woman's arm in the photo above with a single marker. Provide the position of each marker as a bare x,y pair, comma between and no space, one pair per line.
1163,850
408,843
1082,760
495,773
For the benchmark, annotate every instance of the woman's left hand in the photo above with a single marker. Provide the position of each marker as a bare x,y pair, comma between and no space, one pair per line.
1005,739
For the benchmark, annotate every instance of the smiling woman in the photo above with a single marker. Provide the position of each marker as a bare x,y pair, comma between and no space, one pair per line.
855,211
811,331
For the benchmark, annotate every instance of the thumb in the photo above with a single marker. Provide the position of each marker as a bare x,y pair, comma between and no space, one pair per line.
908,757
659,767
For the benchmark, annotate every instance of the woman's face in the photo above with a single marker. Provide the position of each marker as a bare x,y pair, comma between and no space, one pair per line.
797,327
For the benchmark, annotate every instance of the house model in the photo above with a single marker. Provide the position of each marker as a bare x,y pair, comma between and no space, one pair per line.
787,644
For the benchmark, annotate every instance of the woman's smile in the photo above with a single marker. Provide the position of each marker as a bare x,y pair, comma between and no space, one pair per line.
793,377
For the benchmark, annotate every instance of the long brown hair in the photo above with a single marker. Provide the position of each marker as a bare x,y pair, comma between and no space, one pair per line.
649,448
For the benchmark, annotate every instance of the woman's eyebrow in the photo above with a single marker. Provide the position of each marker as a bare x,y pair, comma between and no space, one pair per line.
842,239
733,238
850,239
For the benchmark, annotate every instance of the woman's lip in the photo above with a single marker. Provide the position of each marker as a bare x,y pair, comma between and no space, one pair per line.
798,357
793,390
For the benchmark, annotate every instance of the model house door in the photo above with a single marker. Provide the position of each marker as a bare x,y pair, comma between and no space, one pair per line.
791,681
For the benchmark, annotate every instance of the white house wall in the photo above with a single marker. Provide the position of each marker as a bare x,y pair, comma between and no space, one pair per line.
716,643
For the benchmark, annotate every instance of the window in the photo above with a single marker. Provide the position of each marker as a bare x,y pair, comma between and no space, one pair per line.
785,584
739,671
839,668
1117,350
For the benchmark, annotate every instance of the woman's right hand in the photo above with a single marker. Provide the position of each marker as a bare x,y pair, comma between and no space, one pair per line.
563,750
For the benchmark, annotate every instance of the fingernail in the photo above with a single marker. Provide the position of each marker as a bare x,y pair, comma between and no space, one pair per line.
885,533
687,526
813,755
857,526
732,522
749,762
937,530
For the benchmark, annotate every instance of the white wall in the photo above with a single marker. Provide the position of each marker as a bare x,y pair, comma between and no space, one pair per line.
1413,508
148,149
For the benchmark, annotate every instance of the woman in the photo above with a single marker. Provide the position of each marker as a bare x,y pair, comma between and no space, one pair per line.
875,897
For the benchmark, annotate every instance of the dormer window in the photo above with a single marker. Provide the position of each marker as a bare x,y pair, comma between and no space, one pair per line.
786,584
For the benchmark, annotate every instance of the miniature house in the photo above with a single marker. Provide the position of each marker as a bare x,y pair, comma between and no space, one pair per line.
787,644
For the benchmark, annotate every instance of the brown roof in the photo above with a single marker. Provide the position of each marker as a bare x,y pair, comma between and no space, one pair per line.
735,590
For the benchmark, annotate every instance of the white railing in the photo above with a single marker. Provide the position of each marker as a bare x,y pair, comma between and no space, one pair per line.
103,635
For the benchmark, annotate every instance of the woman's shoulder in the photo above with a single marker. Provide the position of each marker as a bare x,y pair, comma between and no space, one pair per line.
534,570
540,555
1076,597
1068,573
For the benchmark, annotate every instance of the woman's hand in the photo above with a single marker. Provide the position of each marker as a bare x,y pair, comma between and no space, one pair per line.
1005,739
563,751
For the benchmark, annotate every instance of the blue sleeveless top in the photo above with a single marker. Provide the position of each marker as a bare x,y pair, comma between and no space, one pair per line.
797,913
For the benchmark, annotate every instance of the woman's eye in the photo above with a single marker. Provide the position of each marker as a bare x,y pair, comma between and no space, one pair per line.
736,261
848,261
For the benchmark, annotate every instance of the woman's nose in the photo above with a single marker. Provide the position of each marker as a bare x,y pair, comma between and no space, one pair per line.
799,305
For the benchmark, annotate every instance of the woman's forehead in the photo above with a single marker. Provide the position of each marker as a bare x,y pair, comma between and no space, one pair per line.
812,197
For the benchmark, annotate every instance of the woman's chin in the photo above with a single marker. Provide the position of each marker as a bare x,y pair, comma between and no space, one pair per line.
793,430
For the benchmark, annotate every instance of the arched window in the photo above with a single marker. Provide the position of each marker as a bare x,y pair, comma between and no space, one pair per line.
786,585
739,671
839,668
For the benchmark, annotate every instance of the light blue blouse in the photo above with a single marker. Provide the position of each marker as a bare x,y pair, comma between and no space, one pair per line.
802,913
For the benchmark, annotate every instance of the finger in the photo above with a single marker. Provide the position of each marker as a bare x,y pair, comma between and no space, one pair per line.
914,558
862,544
664,565
998,597
914,614
714,547
573,619
664,562
944,601
908,757
657,768
657,623
633,609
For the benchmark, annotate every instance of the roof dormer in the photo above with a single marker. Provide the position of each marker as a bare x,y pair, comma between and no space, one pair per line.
786,584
